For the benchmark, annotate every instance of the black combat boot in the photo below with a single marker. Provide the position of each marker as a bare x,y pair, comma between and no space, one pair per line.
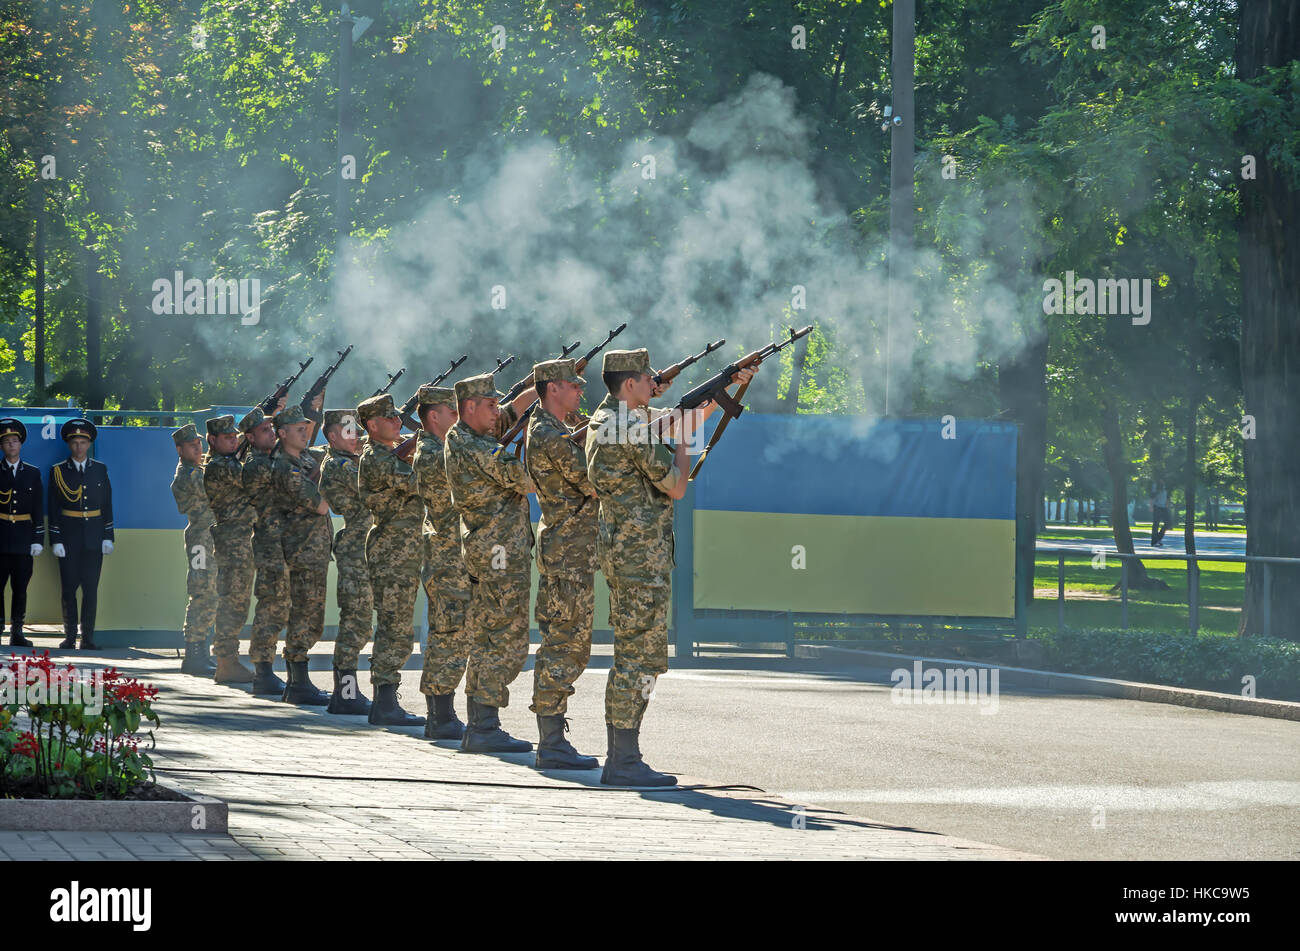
264,679
442,722
195,661
88,639
609,753
356,705
386,711
483,733
16,638
69,634
554,751
628,768
300,689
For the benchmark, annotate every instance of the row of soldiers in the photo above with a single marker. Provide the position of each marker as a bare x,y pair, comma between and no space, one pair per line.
454,516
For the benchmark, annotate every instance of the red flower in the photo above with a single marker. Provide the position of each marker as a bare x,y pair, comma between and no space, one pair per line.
27,745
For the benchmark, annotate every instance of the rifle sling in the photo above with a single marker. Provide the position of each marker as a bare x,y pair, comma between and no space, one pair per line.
717,433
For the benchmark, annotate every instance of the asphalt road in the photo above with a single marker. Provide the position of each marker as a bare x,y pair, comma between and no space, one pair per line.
1068,777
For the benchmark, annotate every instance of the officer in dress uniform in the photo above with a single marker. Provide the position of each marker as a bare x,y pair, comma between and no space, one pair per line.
21,524
81,528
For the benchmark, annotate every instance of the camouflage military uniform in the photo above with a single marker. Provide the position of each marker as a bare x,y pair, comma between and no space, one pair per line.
200,556
445,582
306,538
271,614
338,483
634,552
394,551
566,560
490,491
232,536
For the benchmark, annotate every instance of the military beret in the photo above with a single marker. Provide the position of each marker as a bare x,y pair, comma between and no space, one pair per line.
376,407
222,425
475,387
433,395
637,361
13,427
551,370
288,416
186,433
339,417
252,420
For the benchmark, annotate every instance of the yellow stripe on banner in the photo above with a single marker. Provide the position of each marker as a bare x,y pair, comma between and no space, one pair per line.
856,564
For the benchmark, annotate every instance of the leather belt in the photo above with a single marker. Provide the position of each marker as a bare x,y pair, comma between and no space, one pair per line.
15,518
93,513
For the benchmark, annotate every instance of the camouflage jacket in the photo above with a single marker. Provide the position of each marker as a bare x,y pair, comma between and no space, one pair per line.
566,534
388,487
262,495
306,533
338,483
223,482
632,475
490,491
441,523
192,502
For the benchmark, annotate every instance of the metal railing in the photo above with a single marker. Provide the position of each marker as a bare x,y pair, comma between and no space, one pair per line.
1193,580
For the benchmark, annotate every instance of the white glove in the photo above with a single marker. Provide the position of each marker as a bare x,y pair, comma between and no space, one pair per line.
106,547
58,550
36,549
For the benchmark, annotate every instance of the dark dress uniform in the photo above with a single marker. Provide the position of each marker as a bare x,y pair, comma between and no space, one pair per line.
81,520
22,523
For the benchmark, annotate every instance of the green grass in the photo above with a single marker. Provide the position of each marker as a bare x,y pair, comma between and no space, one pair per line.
1140,530
1089,603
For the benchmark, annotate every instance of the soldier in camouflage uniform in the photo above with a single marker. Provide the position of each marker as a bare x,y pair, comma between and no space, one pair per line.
271,613
295,470
338,483
394,551
490,489
445,581
232,537
200,559
566,559
636,478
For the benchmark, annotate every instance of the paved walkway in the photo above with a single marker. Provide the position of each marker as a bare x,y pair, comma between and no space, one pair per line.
389,793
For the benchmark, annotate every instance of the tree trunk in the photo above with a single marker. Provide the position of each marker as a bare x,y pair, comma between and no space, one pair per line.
1022,391
1117,466
1269,255
94,364
38,330
1189,478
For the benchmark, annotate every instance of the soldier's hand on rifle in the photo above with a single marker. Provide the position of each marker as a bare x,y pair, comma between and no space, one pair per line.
318,401
323,508
279,405
744,375
660,387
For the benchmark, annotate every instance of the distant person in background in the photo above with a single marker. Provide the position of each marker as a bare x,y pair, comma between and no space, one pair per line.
200,553
1160,519
21,525
81,528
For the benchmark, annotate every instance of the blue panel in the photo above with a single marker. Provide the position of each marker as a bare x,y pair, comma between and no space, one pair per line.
141,463
836,465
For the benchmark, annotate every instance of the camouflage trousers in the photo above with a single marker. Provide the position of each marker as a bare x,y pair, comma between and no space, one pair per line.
394,586
565,606
271,615
638,613
447,649
234,588
307,581
356,611
496,626
201,586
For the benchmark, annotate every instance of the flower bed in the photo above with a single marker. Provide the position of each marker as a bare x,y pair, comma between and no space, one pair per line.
74,734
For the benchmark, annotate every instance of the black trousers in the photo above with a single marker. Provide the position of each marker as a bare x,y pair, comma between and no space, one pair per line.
79,568
15,570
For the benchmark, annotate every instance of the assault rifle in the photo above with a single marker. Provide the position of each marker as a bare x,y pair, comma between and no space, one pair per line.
268,405
406,448
317,388
408,407
392,378
516,431
664,376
